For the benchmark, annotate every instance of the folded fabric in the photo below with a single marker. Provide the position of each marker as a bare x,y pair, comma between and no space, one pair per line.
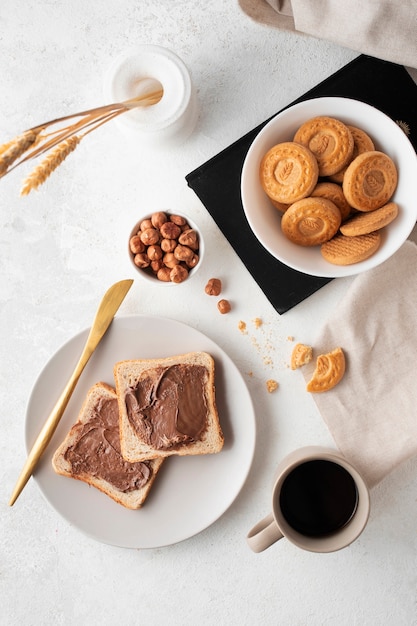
385,29
372,413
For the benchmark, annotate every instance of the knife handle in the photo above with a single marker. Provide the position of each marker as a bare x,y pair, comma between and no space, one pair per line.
49,427
106,311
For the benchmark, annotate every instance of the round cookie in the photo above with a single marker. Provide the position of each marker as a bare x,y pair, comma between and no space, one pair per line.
364,223
311,221
370,181
329,140
279,205
361,143
333,192
288,172
342,250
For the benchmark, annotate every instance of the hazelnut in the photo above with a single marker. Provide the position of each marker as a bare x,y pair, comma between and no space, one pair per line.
158,219
136,244
144,225
150,236
169,230
213,287
157,265
189,238
224,306
183,253
193,261
178,274
178,220
154,252
168,245
170,260
164,274
141,260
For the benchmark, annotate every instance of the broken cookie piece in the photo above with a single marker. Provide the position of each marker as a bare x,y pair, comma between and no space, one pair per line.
301,355
329,371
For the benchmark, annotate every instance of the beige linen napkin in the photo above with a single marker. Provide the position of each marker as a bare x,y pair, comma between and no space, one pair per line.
372,412
386,29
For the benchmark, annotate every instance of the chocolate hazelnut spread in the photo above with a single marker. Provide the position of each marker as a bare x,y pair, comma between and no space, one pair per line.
167,407
97,451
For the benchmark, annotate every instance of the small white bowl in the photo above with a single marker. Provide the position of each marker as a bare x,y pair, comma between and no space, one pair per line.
265,220
147,273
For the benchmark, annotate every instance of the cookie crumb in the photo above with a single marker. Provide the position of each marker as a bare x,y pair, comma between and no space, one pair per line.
271,385
257,322
242,327
290,338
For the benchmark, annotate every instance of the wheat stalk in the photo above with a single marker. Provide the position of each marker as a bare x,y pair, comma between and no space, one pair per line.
59,154
49,164
63,140
14,149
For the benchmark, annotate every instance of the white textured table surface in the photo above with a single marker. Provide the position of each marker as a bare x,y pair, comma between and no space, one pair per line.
62,246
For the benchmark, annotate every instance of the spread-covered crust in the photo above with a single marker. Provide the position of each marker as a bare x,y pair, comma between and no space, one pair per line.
168,407
96,450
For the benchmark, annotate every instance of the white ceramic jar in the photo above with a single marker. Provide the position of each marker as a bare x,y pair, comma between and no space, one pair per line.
173,118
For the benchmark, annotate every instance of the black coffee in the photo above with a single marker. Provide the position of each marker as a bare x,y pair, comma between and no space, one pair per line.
318,498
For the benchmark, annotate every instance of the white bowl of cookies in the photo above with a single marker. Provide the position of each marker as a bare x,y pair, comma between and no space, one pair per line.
329,187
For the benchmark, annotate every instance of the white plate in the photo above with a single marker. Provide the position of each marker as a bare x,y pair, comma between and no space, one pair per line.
265,220
190,493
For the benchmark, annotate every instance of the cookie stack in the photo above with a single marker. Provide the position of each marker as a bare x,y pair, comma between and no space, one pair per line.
333,188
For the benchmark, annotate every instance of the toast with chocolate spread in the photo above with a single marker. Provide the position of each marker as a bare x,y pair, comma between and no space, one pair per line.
168,407
91,452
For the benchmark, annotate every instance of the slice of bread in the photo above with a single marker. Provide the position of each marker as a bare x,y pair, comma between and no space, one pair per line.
167,406
91,452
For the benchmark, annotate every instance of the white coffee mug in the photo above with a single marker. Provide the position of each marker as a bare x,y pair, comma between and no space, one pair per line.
320,503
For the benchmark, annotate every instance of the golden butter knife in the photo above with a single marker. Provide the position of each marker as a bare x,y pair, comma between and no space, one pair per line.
106,311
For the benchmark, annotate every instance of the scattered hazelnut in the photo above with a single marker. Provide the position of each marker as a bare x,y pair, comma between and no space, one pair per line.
136,244
178,274
213,287
224,306
169,230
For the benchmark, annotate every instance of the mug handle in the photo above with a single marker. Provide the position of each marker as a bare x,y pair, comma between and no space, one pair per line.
264,534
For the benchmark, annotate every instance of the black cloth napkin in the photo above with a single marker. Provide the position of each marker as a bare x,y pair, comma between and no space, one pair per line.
382,84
